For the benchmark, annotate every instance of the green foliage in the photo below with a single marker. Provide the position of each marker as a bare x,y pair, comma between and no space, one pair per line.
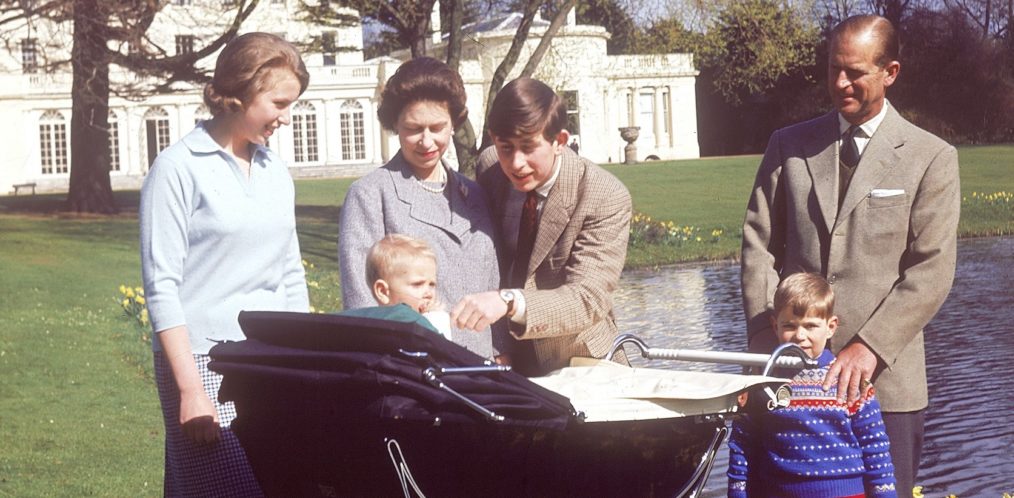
753,45
614,17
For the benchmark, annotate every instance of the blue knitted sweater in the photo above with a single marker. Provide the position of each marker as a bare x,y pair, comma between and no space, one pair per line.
815,447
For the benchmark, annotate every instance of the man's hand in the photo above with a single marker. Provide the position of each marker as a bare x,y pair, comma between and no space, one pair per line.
198,417
478,311
853,369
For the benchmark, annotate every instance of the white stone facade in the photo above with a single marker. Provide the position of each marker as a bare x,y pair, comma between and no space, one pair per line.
334,129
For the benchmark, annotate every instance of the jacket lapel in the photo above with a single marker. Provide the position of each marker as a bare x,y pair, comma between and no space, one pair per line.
822,161
559,208
415,197
877,160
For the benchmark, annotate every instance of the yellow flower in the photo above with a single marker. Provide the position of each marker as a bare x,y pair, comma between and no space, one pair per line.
129,293
139,300
123,289
917,492
125,303
144,316
139,291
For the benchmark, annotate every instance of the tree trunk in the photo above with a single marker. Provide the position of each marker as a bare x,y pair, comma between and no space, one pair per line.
464,136
547,38
507,64
90,189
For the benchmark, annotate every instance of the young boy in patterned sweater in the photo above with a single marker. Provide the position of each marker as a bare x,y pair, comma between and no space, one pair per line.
817,446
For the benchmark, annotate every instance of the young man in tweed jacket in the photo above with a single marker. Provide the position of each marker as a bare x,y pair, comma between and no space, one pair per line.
559,305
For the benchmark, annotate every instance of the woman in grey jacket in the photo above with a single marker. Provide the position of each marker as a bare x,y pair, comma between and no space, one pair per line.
416,194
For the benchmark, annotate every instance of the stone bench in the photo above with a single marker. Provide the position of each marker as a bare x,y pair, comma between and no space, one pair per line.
19,186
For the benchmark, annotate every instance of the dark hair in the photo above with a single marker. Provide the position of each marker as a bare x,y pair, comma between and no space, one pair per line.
244,69
805,294
422,79
527,106
880,28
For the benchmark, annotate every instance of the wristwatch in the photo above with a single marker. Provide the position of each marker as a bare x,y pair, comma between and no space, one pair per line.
508,297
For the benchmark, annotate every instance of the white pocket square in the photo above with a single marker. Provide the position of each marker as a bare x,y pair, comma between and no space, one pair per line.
886,192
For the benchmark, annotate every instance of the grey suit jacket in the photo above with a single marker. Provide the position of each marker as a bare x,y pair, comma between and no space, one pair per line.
456,225
889,253
580,248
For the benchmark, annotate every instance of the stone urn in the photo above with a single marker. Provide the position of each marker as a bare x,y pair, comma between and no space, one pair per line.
629,134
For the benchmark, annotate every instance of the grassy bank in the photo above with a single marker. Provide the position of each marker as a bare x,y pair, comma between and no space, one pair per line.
79,415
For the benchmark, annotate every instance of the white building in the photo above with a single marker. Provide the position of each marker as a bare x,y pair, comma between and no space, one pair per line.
334,129
604,92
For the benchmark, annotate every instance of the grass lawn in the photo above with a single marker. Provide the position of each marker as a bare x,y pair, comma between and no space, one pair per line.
78,412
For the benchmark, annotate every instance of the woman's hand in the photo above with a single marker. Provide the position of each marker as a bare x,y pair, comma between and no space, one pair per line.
198,417
478,311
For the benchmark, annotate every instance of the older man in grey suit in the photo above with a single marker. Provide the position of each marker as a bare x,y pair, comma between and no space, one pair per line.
564,224
870,201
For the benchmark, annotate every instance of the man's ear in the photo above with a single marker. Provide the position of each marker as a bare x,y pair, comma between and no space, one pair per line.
382,292
892,68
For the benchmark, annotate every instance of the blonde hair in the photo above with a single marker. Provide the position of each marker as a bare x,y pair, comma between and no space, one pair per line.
393,251
246,67
806,294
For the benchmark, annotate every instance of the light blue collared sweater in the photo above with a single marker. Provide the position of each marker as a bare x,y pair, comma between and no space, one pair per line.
214,242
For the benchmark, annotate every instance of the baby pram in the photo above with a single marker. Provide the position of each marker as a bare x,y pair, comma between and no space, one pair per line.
379,405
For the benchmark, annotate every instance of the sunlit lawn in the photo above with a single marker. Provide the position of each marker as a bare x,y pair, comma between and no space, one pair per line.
78,415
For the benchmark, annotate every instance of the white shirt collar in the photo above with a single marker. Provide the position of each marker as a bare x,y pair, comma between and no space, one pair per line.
869,127
543,190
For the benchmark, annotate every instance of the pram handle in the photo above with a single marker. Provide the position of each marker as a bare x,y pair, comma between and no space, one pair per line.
780,358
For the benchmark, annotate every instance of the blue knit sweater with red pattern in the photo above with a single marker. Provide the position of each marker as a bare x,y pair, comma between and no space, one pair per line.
815,447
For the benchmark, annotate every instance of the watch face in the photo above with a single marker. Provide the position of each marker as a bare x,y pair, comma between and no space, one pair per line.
507,295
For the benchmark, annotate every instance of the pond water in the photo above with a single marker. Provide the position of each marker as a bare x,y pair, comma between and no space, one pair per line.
969,439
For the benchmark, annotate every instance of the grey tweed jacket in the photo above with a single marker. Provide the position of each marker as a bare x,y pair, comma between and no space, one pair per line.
580,248
889,253
456,224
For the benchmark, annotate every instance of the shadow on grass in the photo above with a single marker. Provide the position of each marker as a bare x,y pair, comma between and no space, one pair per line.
126,201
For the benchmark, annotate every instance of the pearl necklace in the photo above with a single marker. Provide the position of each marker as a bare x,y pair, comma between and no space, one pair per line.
433,190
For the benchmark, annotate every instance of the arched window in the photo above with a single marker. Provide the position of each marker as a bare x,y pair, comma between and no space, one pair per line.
201,114
114,141
353,133
53,143
304,133
156,125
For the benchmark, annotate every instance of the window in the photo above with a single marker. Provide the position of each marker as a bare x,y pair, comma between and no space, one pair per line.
53,143
114,142
201,114
184,44
353,132
573,112
156,125
304,133
646,115
29,55
328,47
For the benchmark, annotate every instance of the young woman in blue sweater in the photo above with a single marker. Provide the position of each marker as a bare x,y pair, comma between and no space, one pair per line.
817,446
218,235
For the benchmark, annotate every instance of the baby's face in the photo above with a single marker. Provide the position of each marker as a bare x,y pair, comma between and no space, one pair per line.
809,332
414,284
